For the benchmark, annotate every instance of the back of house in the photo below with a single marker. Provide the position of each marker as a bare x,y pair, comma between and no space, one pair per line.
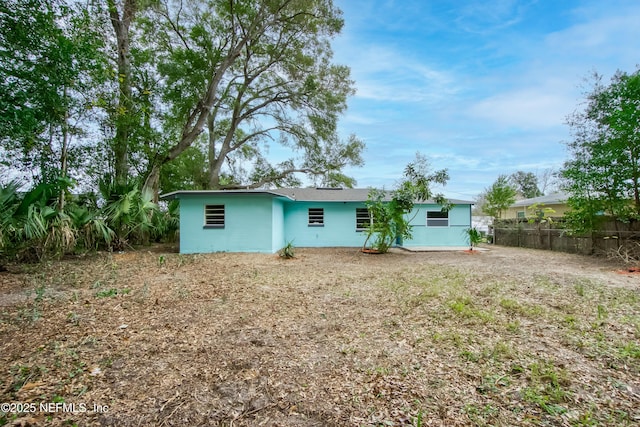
267,220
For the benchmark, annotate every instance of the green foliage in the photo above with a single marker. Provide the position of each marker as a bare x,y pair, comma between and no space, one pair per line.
525,183
629,350
187,172
133,218
33,225
475,237
51,56
226,66
390,210
30,226
540,213
112,292
547,387
166,222
499,197
8,202
91,229
187,97
288,251
387,218
603,174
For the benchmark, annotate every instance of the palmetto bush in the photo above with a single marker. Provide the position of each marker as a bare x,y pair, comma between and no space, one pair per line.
33,225
8,202
60,234
129,213
30,225
90,228
167,223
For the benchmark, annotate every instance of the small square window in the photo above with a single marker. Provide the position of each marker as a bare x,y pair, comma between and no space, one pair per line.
316,217
437,219
520,214
214,216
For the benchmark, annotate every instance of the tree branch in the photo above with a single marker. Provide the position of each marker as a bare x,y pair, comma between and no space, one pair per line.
271,178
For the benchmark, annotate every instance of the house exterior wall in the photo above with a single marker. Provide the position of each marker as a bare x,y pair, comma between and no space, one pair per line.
277,234
339,227
454,234
560,210
248,224
266,223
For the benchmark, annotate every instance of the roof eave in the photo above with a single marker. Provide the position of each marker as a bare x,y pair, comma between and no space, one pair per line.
175,194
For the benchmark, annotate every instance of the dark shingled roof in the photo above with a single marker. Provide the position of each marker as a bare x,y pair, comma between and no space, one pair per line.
302,194
175,194
324,194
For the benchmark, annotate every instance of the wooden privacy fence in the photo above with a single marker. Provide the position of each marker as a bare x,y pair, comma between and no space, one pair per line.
613,237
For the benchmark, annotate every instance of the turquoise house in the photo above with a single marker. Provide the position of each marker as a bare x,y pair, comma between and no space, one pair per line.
266,220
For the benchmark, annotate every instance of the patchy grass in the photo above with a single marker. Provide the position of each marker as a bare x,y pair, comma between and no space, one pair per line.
331,337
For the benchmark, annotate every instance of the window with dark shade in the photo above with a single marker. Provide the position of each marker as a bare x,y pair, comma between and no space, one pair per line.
437,219
316,216
214,216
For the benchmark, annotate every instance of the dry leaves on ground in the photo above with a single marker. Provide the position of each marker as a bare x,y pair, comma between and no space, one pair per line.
330,337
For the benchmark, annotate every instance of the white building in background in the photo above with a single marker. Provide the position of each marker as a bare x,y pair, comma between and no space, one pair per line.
481,223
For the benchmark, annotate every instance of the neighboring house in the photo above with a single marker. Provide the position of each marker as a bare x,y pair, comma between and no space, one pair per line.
266,220
527,208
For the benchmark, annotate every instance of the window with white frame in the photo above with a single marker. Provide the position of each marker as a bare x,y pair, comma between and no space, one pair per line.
363,219
520,214
316,217
437,219
214,216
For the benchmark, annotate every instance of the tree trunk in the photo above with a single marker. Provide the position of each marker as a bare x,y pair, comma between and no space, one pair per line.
152,183
212,150
635,181
64,152
215,163
123,112
216,160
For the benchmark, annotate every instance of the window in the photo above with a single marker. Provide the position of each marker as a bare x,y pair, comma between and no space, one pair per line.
437,219
316,217
214,216
363,219
520,214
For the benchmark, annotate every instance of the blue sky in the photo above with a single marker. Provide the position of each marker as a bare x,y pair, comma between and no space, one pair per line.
482,88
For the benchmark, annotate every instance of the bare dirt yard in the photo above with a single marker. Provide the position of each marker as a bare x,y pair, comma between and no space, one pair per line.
333,337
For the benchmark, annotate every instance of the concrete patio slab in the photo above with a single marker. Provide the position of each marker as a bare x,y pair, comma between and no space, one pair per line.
439,248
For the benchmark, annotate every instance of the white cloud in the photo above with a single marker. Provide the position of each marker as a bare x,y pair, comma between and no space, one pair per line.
614,29
528,108
483,17
385,73
479,91
357,119
544,86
